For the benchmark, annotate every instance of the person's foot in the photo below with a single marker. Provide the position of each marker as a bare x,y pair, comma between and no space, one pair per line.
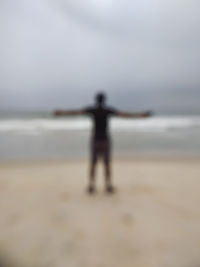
110,189
91,189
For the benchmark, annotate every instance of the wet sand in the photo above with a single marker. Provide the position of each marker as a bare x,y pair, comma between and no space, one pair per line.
48,220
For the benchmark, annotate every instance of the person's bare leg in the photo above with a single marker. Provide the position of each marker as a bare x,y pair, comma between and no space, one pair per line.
108,182
91,187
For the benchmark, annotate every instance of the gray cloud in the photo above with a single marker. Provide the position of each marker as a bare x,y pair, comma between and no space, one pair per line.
53,51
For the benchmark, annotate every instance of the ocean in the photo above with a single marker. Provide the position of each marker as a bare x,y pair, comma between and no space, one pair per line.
39,135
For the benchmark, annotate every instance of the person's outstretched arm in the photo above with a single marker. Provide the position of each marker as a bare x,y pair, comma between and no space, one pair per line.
135,115
68,112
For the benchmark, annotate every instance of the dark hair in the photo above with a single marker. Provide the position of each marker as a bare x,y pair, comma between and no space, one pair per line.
100,98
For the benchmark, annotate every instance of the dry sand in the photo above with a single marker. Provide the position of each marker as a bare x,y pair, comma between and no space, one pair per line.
47,219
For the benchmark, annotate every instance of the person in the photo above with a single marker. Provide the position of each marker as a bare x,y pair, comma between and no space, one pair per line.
101,141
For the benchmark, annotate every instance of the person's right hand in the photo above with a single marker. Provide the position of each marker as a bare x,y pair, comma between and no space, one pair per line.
57,113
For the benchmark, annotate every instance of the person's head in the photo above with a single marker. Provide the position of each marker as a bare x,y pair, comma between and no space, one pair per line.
100,99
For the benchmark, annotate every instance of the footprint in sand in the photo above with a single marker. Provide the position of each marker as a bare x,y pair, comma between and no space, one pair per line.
127,219
142,189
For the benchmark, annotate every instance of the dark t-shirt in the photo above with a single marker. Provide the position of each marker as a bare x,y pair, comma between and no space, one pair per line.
100,116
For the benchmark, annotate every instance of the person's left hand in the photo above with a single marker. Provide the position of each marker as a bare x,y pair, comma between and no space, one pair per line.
57,113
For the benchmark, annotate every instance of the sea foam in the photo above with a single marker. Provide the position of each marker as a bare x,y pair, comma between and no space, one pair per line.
162,123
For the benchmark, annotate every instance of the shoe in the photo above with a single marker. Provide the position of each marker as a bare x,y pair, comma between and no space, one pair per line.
91,190
110,189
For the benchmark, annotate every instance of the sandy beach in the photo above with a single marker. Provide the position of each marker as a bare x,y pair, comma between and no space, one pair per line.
48,220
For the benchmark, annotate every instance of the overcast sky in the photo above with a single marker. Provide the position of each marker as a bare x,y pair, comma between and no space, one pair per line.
58,53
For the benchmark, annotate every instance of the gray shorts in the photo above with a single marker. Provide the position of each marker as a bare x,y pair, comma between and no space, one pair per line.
100,149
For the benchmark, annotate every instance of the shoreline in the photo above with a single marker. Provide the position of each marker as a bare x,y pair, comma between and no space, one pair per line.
117,159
